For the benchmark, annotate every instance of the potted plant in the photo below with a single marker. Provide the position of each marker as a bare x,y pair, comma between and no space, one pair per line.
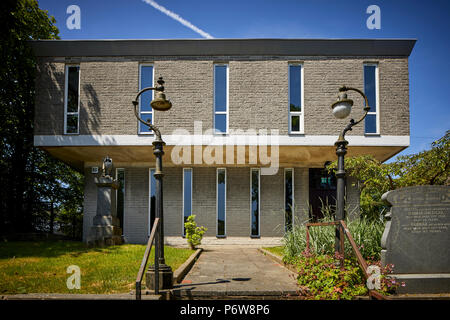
194,234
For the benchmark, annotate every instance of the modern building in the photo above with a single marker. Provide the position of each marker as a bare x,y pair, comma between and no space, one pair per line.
247,138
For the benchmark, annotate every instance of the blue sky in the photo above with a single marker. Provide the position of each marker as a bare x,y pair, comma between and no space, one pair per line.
426,21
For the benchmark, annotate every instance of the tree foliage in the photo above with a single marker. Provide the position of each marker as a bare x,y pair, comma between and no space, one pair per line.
29,177
429,167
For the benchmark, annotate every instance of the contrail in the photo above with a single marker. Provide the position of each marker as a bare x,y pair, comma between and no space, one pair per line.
179,19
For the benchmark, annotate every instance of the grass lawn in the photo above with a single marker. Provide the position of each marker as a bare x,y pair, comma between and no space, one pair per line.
41,267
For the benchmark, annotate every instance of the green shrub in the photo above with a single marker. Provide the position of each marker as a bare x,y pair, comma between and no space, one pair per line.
194,234
320,277
366,233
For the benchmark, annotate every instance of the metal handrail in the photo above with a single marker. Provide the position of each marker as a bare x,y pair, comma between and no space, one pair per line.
362,263
358,254
140,274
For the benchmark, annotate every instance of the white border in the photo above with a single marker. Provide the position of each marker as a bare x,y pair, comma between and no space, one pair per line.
66,92
293,196
259,203
214,99
192,191
281,140
217,204
150,132
297,113
377,99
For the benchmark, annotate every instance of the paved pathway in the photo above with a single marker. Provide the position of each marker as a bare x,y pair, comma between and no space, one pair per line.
240,271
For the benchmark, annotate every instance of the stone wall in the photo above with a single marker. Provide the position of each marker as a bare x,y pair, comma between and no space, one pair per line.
258,93
136,219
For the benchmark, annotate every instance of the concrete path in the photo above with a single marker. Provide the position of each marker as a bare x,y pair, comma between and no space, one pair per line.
236,271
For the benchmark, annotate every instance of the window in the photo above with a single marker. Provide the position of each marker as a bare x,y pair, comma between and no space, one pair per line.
120,195
288,198
220,98
151,200
145,109
371,91
72,100
254,202
221,202
187,196
296,98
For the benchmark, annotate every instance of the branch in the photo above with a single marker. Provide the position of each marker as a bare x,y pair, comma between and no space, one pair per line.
439,173
391,182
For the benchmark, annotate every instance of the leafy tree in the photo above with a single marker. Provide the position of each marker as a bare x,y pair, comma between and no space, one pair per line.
375,178
428,167
29,177
59,186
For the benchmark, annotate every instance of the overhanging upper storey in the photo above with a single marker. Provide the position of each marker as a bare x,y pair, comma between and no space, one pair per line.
222,92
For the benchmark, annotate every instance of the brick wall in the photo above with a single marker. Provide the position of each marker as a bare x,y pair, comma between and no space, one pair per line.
301,194
89,203
258,93
107,89
135,227
49,107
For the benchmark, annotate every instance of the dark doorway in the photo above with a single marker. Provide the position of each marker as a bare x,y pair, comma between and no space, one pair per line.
322,192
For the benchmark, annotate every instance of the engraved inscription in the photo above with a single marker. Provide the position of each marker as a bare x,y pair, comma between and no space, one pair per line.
426,220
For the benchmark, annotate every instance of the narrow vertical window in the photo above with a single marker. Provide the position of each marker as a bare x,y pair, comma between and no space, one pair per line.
120,195
221,201
187,196
145,109
254,202
296,98
288,198
72,100
151,200
220,98
371,91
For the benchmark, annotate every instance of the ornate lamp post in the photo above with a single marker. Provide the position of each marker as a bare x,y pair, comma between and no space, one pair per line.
159,103
341,109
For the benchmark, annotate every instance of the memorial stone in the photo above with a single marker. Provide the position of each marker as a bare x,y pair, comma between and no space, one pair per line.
106,225
416,239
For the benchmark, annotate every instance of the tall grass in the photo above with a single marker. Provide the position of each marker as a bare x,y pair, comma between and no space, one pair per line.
366,233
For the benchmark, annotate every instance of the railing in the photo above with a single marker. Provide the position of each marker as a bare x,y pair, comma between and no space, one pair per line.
362,263
140,274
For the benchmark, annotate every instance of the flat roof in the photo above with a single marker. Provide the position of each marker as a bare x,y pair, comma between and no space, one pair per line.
223,47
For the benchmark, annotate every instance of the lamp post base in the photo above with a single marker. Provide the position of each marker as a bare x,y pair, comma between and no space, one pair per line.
165,277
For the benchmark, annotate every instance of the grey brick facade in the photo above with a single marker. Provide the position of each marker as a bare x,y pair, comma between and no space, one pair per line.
258,93
258,89
136,204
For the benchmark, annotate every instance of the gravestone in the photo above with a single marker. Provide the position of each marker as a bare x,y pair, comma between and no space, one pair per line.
416,239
